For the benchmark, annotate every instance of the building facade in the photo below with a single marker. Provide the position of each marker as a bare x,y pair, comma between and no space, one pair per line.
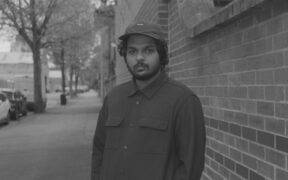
235,58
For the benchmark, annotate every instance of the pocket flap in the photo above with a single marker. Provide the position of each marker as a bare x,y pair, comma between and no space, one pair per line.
113,121
153,123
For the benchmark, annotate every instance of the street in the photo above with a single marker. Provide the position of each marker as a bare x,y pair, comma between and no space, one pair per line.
55,145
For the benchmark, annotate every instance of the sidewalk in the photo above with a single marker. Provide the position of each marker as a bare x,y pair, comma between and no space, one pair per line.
88,99
55,145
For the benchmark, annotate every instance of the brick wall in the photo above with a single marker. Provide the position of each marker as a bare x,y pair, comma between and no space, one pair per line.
239,70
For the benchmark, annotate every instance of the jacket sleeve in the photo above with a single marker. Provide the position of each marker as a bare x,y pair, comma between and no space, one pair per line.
98,144
190,140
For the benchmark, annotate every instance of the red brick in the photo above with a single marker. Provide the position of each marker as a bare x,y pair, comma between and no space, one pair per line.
209,152
246,78
265,108
281,76
275,125
286,93
241,118
286,52
242,171
265,77
212,174
265,61
250,161
254,33
265,169
245,22
282,110
235,155
282,143
237,92
247,50
224,172
256,122
235,177
219,136
226,67
241,65
242,144
248,106
234,104
256,150
255,92
276,157
214,165
229,140
265,138
223,126
275,26
228,163
235,129
249,133
263,45
229,116
281,41
274,93
281,175
255,176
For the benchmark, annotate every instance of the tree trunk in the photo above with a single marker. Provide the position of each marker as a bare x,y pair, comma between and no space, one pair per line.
38,98
76,83
71,81
62,58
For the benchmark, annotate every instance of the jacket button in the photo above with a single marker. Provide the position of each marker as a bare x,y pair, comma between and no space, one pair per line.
137,102
125,147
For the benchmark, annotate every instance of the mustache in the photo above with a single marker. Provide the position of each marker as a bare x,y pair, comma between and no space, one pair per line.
140,65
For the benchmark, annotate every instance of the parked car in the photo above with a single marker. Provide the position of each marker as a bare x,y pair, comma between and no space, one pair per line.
4,108
18,103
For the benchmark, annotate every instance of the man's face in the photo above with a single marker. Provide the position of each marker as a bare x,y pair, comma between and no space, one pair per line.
142,57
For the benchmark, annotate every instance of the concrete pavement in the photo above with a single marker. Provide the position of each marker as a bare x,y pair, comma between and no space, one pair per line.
55,145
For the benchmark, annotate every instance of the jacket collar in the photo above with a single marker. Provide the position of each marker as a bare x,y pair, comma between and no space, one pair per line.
152,88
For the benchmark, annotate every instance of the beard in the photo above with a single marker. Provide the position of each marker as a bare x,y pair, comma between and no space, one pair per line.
150,73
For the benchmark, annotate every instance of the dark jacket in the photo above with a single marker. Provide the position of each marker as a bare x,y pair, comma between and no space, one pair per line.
157,133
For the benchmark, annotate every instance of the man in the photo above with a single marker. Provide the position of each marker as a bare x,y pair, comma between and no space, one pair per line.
152,127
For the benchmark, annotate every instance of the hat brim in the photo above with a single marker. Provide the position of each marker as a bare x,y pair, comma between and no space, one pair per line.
125,36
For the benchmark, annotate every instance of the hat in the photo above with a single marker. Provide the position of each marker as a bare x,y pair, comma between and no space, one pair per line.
146,29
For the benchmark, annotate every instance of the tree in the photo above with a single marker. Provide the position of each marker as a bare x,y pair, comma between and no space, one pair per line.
40,23
73,36
30,19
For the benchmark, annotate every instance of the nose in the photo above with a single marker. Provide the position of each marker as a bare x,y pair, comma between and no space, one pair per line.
139,57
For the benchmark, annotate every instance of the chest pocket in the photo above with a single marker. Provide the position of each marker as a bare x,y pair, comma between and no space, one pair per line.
152,135
114,128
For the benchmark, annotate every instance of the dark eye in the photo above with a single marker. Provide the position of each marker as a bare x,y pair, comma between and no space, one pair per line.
150,50
131,51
